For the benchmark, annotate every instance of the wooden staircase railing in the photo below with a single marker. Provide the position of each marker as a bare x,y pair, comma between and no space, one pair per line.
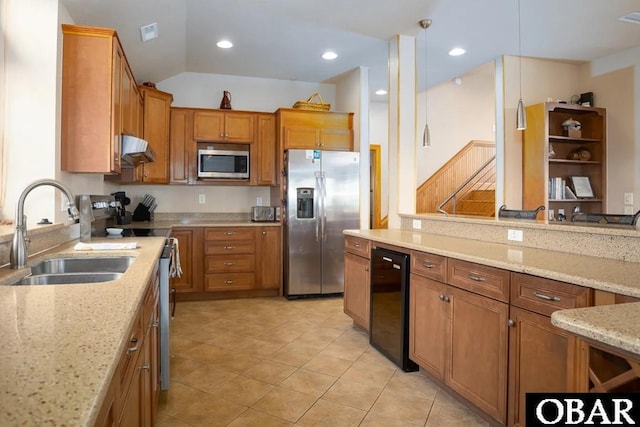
453,174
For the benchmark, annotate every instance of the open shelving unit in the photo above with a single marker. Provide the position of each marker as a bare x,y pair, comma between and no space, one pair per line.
539,168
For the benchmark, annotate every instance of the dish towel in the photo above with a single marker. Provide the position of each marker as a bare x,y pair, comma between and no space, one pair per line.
174,259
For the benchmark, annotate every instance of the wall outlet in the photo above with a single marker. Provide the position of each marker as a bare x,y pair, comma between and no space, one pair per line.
417,224
628,199
515,235
258,201
202,199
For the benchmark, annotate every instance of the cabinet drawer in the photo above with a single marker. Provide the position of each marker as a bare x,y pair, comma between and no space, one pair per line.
221,233
229,263
481,279
229,247
357,246
429,265
229,281
544,296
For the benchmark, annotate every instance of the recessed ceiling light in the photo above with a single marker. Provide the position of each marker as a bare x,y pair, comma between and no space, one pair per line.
381,92
224,44
149,32
457,51
329,55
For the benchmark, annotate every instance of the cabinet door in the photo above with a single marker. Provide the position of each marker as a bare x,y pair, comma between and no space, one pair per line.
156,132
266,141
182,147
238,127
208,126
539,360
357,299
190,243
301,137
336,139
478,351
428,320
269,258
132,409
116,111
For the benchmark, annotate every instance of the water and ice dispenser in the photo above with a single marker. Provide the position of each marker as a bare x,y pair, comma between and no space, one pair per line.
304,203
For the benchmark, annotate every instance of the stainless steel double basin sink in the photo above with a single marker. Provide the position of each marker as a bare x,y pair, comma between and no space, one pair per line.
57,271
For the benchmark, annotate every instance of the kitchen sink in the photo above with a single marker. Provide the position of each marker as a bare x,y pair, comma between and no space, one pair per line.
68,278
117,264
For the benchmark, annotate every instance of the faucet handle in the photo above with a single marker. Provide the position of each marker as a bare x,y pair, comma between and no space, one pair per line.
73,212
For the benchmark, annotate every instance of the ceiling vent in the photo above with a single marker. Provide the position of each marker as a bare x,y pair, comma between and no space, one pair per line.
633,17
149,32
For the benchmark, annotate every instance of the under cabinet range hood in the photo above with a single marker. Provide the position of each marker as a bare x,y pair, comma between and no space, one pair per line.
136,150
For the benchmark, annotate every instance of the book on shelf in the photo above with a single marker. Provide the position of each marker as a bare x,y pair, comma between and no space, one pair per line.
557,188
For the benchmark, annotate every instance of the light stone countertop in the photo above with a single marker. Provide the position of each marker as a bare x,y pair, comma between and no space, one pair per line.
61,343
615,325
201,223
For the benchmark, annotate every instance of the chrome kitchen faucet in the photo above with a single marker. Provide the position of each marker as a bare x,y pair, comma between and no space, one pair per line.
19,245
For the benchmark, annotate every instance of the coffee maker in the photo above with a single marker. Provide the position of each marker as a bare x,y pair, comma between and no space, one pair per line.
122,215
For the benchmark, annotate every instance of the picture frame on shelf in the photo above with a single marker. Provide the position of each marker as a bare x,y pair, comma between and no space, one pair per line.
582,187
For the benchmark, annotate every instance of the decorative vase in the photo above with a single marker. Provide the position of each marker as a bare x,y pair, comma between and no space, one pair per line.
225,103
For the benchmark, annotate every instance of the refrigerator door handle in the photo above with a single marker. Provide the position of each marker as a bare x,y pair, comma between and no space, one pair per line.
323,182
318,209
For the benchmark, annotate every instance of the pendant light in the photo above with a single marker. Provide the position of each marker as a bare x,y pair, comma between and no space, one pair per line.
426,135
521,115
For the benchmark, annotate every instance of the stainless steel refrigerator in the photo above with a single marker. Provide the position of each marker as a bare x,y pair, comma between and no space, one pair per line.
322,199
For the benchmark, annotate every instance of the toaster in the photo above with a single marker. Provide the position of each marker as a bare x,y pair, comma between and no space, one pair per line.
265,213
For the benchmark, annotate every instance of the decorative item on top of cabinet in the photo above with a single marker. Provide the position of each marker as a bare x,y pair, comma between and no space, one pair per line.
577,153
99,100
542,357
223,126
318,130
357,298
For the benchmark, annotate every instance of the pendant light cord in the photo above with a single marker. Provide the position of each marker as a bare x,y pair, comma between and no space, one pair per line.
426,136
520,47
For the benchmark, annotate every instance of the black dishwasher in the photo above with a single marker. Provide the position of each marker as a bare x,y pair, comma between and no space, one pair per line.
389,323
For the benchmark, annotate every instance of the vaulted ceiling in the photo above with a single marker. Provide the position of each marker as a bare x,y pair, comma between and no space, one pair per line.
284,39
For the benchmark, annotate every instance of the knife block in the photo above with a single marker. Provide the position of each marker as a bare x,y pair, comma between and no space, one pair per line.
142,213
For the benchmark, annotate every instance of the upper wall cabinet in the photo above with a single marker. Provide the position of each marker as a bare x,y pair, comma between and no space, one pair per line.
156,121
223,126
100,100
318,130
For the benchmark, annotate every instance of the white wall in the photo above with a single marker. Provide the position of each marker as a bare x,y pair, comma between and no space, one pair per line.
379,135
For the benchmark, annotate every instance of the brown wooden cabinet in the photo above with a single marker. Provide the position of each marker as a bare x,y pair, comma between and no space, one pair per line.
318,130
99,100
357,280
223,126
190,243
264,151
156,119
550,152
269,253
134,390
230,259
182,148
541,356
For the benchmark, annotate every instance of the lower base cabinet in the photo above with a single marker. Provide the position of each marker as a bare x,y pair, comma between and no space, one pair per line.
132,399
357,289
539,357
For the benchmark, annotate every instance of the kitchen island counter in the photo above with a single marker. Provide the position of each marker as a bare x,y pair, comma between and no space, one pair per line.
614,325
61,344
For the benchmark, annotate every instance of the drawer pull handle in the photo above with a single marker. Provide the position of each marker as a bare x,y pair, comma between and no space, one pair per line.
229,282
357,245
229,248
476,278
146,367
546,297
229,263
428,265
229,233
135,347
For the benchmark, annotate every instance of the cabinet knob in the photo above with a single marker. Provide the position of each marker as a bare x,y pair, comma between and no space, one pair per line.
511,323
229,282
264,233
446,299
441,297
146,367
366,268
222,135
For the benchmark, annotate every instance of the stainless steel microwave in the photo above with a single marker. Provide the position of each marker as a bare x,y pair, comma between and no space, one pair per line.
215,163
